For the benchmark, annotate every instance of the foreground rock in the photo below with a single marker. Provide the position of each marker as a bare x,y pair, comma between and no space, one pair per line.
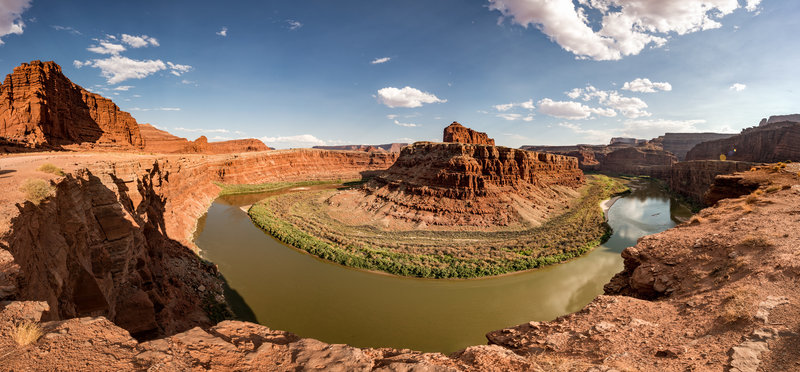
114,237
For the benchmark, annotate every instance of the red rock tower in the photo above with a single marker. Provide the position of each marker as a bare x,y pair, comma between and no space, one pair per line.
458,133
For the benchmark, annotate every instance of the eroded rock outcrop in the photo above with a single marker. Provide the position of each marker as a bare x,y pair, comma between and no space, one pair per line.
680,143
458,184
617,158
456,132
40,107
388,147
767,143
160,141
693,178
114,239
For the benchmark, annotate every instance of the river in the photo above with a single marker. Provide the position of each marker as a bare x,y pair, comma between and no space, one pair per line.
283,288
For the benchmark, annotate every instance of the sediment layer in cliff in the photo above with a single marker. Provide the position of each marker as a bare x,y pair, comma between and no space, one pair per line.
114,237
388,147
617,158
453,184
767,143
40,107
456,132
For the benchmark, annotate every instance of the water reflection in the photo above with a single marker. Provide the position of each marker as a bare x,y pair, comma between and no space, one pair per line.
290,290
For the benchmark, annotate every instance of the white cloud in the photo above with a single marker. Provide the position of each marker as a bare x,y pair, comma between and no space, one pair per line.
656,127
178,69
117,69
509,117
79,64
646,86
630,107
11,17
223,32
738,87
410,125
377,61
406,97
391,116
301,140
571,110
626,27
293,24
503,107
752,5
106,47
67,29
155,109
139,41
527,104
124,88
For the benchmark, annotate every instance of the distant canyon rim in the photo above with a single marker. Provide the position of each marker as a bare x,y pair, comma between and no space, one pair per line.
104,261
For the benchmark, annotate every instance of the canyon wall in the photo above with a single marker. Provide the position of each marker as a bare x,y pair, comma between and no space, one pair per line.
40,107
162,142
693,178
768,143
617,158
389,147
114,240
680,143
456,132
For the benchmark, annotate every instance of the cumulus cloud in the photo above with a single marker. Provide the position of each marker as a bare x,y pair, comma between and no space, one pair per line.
293,24
223,32
300,140
124,88
508,106
106,47
117,69
646,86
409,125
738,87
178,69
630,107
571,110
625,27
139,41
378,61
11,17
406,97
655,127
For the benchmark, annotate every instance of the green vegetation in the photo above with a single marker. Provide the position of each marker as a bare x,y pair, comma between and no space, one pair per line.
50,168
300,220
237,189
36,190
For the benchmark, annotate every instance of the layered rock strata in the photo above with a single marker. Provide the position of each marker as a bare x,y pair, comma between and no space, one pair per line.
680,143
40,107
694,178
617,158
388,147
454,184
114,239
456,132
772,142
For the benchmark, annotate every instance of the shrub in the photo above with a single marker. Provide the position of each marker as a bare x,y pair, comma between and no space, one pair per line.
50,168
26,332
737,307
756,241
36,190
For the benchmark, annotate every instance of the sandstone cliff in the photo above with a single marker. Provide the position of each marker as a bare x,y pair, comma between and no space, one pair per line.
680,143
456,132
160,141
114,239
617,158
772,142
388,147
40,107
458,184
693,178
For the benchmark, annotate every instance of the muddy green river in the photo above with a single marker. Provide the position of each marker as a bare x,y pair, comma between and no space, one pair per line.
283,288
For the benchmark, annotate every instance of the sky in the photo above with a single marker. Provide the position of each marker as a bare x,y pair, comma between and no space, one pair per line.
319,72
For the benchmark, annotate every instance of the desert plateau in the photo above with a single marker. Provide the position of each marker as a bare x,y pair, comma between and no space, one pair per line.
532,185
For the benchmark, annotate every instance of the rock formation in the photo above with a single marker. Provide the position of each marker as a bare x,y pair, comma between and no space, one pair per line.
616,158
693,178
160,141
40,107
115,238
458,133
795,118
680,143
459,184
771,142
389,147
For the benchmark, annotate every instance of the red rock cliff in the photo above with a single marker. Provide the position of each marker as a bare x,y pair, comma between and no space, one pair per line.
767,143
39,106
693,178
458,133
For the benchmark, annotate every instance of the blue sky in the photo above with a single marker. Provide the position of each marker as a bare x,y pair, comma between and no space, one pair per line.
303,73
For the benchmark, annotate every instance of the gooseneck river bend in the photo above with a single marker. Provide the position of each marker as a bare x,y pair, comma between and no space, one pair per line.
283,288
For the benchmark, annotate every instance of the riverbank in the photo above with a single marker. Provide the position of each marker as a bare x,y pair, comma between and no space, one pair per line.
301,221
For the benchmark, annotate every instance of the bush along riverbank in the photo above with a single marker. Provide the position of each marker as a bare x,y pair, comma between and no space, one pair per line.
299,220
